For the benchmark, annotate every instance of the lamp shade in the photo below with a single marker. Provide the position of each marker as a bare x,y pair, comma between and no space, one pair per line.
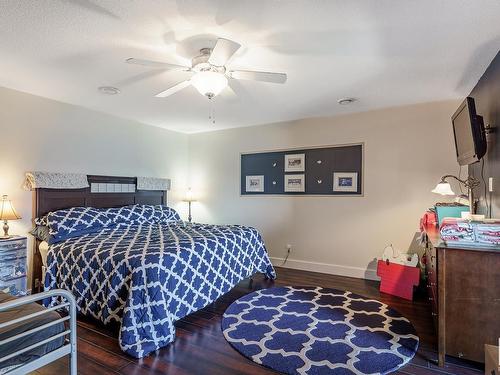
209,83
7,211
189,196
443,188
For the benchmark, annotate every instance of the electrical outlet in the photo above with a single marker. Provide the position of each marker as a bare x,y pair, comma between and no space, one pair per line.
490,184
288,247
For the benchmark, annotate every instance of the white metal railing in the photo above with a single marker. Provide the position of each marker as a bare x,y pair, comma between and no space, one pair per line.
69,346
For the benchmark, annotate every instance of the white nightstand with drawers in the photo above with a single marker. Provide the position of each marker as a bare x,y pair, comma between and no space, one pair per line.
13,265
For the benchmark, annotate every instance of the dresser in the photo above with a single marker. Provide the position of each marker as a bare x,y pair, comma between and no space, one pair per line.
13,254
463,285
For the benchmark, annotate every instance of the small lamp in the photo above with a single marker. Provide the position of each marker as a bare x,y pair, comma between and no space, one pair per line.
7,212
444,188
189,198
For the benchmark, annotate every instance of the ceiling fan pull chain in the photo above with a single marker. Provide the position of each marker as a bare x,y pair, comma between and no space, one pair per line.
211,110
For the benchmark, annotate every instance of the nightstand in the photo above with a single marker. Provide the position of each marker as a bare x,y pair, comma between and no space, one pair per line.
13,254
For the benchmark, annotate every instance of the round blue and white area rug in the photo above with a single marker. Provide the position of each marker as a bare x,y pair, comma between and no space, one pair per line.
313,330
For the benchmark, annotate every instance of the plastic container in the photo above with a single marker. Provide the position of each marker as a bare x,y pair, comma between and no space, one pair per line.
397,279
443,211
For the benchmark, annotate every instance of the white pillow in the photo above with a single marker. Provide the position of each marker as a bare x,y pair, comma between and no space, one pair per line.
43,248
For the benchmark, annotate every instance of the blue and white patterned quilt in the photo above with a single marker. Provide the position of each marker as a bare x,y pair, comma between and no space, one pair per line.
146,276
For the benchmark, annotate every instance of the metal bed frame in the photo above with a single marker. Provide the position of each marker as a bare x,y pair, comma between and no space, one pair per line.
68,348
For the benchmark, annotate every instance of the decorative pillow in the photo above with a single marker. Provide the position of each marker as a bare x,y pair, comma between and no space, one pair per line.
134,214
141,214
75,221
41,232
41,221
169,214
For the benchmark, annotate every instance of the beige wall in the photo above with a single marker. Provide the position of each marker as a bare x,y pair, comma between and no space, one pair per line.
42,134
407,149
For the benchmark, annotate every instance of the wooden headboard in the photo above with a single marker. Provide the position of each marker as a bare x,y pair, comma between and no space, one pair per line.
104,192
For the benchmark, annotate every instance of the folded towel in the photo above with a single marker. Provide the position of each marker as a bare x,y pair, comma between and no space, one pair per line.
457,230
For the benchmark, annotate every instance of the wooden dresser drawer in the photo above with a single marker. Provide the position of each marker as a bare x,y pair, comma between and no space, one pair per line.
434,306
472,298
431,270
431,280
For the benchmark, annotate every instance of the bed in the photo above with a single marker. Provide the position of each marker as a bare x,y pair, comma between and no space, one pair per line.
146,273
32,336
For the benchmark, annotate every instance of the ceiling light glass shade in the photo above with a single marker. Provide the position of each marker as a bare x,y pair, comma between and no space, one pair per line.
443,188
209,83
7,211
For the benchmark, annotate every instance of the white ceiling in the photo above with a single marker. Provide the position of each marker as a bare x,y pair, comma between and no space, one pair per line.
384,52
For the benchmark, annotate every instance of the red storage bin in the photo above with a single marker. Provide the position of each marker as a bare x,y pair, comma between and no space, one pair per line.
397,279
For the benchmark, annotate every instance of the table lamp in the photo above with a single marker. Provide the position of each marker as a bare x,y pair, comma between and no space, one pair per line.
7,212
189,198
444,188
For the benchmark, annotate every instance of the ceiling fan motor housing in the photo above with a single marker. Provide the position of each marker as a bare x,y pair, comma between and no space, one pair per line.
200,63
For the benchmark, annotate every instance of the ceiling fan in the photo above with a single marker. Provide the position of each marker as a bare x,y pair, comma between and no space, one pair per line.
210,72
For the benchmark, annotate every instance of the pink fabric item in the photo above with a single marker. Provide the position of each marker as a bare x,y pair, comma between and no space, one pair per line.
429,219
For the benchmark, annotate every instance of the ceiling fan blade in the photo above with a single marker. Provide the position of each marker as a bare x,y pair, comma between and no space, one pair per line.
156,64
258,76
228,93
172,90
224,49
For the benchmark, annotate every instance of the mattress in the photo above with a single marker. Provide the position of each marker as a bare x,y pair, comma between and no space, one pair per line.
24,326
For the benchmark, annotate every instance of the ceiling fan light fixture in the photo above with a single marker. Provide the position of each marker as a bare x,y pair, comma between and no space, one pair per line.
209,83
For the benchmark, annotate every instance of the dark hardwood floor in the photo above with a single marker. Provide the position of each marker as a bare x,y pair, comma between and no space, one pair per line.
200,347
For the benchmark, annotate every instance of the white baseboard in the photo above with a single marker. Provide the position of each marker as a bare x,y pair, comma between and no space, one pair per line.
334,269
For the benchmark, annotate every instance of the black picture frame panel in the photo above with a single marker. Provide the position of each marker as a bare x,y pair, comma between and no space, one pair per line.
319,171
347,158
270,165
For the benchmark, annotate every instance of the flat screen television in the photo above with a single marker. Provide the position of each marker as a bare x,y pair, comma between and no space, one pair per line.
468,128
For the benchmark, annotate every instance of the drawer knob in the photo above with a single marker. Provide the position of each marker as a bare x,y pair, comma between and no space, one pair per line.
434,314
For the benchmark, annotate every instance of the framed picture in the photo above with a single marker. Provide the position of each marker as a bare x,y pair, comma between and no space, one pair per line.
255,184
295,183
295,163
345,181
